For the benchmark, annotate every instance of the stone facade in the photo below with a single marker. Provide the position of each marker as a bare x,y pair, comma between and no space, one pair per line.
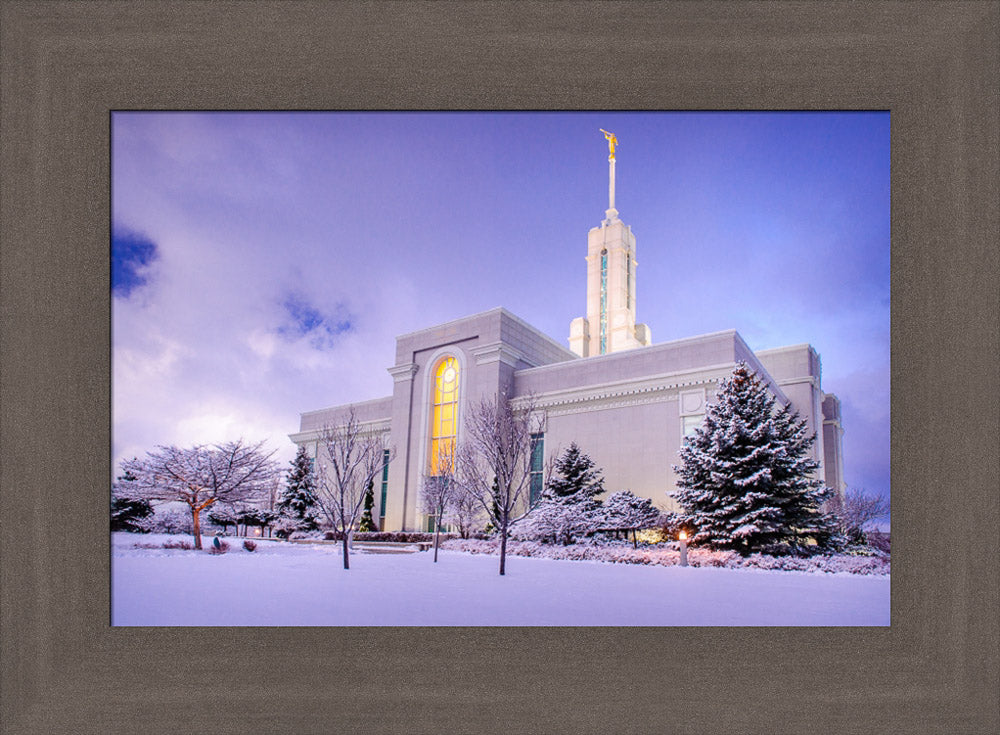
628,410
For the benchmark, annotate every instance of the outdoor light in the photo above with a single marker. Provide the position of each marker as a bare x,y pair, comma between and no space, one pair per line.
682,537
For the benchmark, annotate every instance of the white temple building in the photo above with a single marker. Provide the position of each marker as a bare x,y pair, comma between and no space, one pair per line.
626,402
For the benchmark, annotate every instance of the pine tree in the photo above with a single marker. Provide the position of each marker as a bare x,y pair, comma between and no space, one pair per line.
298,499
746,479
129,513
367,523
575,476
569,507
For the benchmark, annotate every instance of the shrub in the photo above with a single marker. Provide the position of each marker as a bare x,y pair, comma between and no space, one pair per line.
185,545
878,540
218,548
249,545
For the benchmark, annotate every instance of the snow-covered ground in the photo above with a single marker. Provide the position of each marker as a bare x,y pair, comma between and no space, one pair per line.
302,584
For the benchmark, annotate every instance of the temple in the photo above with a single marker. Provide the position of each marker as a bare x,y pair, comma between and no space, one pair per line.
626,402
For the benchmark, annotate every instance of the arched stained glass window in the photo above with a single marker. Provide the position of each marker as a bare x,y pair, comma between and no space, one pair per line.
444,413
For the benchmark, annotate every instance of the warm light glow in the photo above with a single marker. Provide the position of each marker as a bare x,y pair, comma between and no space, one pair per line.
682,535
444,413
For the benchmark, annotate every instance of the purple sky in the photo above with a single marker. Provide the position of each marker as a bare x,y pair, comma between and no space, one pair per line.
263,263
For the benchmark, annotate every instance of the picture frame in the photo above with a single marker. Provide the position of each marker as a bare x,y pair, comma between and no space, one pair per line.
65,66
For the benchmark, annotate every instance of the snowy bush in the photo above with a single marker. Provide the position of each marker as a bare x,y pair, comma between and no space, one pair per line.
218,546
249,545
669,555
185,545
172,521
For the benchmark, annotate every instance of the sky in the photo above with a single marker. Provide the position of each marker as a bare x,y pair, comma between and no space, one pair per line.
264,263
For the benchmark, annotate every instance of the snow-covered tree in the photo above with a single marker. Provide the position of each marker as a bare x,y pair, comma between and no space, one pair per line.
298,498
556,521
128,512
438,491
625,511
574,475
464,513
225,516
350,457
746,480
367,522
250,515
201,476
493,462
856,511
569,507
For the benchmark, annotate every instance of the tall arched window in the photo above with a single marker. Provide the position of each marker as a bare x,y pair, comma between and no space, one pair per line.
444,413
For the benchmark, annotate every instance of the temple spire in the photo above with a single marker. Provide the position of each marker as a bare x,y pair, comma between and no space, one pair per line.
611,213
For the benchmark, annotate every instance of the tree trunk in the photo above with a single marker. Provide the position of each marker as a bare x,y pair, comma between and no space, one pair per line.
503,544
347,561
437,533
635,542
195,527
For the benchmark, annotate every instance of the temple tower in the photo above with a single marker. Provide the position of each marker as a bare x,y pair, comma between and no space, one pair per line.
611,265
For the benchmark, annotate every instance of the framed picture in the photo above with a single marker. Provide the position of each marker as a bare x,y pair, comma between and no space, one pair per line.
66,67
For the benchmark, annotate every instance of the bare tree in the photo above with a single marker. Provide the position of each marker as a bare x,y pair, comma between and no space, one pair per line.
858,509
204,475
493,463
350,458
465,511
439,490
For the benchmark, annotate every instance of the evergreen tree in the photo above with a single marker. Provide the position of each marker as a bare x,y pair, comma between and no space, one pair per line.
569,507
128,512
575,476
367,523
746,479
298,499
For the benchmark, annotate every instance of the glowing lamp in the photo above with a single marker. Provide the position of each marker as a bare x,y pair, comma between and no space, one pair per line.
682,536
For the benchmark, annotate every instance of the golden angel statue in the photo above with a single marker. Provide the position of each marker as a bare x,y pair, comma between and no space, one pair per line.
612,142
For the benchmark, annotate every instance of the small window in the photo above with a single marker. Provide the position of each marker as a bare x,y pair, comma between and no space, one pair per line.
689,424
537,467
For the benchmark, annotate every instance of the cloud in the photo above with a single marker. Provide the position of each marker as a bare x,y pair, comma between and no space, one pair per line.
132,255
306,320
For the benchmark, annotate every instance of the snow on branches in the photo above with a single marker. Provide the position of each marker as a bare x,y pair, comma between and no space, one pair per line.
201,476
569,507
625,511
351,456
493,462
746,480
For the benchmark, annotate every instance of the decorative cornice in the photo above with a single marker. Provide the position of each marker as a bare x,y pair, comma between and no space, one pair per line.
616,396
401,373
499,352
814,382
365,428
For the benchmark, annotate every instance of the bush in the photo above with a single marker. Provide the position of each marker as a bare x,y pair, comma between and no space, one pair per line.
249,545
405,537
218,548
669,555
185,545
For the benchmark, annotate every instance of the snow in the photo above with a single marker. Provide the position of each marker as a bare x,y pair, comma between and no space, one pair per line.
305,584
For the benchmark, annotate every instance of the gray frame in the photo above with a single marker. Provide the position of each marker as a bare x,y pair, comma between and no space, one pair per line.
63,66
